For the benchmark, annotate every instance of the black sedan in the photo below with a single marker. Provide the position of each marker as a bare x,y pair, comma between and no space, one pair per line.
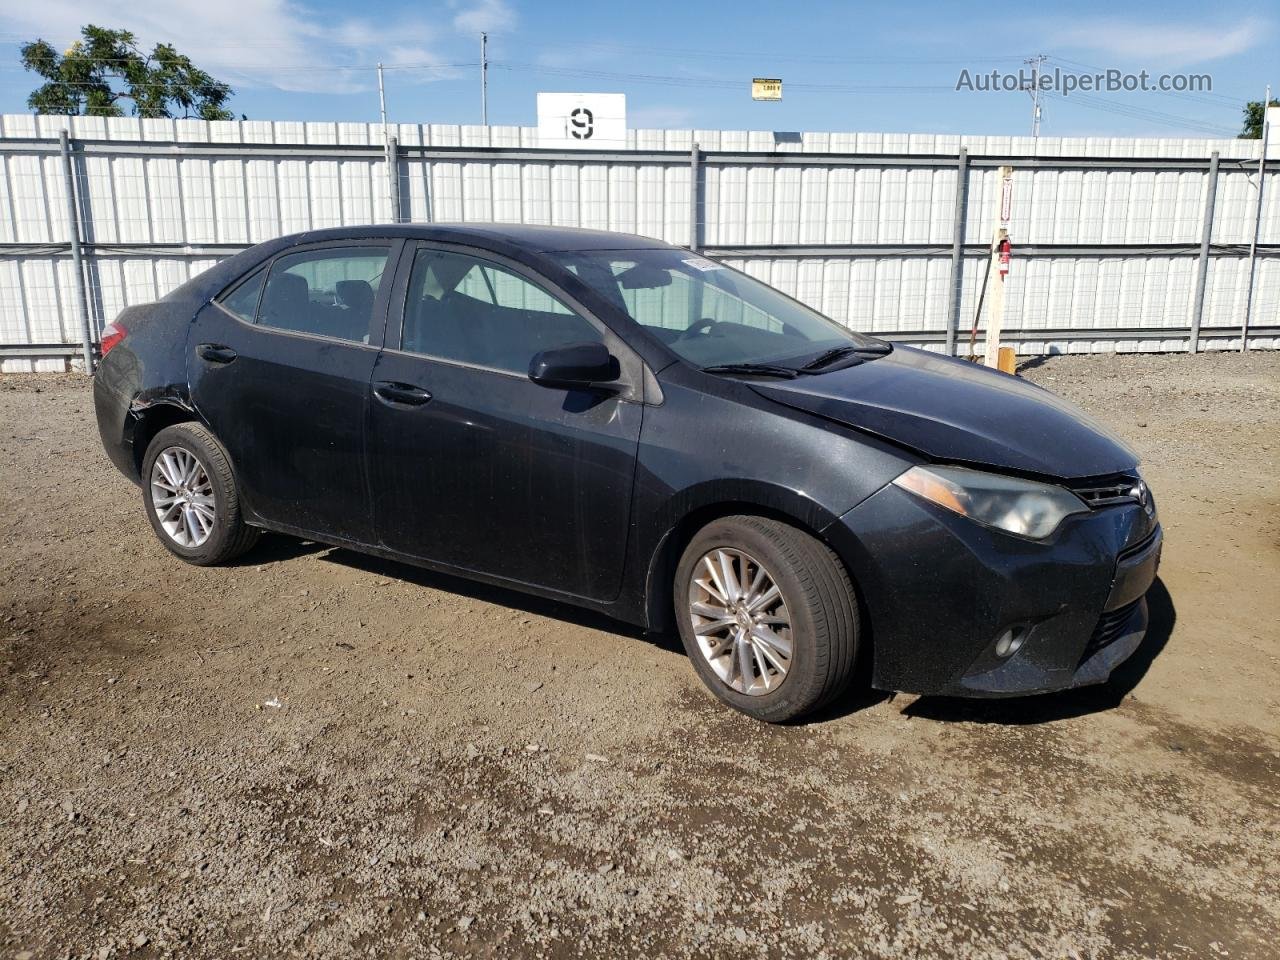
617,423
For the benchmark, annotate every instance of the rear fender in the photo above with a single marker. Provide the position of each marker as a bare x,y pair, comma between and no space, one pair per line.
148,416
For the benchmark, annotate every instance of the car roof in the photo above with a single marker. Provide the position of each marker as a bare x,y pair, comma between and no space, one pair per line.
523,236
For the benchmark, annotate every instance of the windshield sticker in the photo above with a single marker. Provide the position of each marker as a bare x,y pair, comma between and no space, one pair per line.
702,263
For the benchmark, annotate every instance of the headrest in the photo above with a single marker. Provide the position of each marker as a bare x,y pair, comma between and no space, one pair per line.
356,294
286,289
449,269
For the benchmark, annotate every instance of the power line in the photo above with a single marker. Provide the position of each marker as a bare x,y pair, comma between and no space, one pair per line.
1151,116
707,82
1131,111
1205,96
774,56
318,68
328,69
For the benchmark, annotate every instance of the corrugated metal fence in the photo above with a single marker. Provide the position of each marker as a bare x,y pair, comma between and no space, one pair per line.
1118,244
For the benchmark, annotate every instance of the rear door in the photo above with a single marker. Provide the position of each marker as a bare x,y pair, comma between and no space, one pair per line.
471,463
279,367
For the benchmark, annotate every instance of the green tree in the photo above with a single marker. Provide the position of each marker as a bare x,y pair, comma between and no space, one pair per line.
105,68
1253,120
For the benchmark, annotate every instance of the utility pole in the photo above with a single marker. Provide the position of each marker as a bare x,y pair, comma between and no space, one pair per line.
1035,63
484,79
1257,226
382,99
391,151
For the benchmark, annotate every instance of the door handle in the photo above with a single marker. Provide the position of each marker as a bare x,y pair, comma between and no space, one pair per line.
215,353
400,394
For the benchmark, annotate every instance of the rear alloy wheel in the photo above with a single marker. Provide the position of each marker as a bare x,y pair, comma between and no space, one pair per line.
182,497
191,498
768,617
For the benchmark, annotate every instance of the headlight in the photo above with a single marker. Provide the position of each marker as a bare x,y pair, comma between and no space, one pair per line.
1021,507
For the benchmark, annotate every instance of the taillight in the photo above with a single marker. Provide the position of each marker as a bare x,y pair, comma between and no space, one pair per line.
112,334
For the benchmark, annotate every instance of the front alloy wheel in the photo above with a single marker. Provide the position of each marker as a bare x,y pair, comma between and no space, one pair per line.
768,616
740,620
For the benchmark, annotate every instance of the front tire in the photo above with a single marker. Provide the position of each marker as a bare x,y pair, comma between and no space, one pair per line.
768,617
190,494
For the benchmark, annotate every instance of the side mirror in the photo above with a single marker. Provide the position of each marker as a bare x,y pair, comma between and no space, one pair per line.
576,365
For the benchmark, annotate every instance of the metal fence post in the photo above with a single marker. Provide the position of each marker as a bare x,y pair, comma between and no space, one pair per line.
957,250
77,257
1202,270
694,198
1257,228
393,177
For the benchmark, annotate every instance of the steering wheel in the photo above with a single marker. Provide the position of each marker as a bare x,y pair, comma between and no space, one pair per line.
698,328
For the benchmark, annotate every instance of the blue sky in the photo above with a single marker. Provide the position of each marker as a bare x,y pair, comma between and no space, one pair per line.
845,66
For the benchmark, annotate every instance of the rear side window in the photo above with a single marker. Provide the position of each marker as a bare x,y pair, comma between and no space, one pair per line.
464,308
328,292
243,300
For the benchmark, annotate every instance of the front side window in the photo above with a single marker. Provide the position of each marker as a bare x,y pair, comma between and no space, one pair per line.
472,310
708,313
328,292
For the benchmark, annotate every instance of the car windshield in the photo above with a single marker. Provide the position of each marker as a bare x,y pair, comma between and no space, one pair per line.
710,314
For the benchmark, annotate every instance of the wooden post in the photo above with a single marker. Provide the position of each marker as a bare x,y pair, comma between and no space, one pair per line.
1202,269
1000,233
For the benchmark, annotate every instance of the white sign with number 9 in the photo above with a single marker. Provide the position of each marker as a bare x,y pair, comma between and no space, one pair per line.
582,121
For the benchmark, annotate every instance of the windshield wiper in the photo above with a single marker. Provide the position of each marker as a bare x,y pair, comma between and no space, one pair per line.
754,369
828,357
868,352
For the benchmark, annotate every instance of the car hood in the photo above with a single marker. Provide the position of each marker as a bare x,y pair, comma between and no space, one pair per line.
959,412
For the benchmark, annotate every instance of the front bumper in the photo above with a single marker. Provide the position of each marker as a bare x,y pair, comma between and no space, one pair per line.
940,591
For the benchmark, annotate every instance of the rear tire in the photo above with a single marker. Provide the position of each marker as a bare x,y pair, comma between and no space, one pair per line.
191,499
774,655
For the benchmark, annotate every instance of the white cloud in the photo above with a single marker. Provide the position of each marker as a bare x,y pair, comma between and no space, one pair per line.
483,16
1152,42
264,42
564,56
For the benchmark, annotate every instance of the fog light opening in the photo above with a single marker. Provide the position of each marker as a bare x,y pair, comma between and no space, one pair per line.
1010,642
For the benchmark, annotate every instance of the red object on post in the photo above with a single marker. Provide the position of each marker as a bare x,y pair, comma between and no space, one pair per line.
1004,258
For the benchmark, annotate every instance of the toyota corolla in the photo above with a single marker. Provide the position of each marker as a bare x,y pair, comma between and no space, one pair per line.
613,422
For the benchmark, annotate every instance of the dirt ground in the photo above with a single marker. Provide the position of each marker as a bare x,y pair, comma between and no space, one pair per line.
317,754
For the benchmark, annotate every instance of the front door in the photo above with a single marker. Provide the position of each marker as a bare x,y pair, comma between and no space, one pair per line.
279,368
475,466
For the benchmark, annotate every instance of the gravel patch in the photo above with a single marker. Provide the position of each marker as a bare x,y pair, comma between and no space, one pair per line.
319,754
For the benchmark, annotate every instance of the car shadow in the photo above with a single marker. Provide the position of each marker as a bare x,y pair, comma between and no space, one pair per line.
1042,708
488,593
277,548
1048,707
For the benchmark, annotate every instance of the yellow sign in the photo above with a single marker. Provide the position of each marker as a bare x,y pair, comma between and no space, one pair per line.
766,89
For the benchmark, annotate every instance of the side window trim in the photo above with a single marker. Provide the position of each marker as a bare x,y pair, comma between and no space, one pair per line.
379,322
536,280
633,365
261,270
